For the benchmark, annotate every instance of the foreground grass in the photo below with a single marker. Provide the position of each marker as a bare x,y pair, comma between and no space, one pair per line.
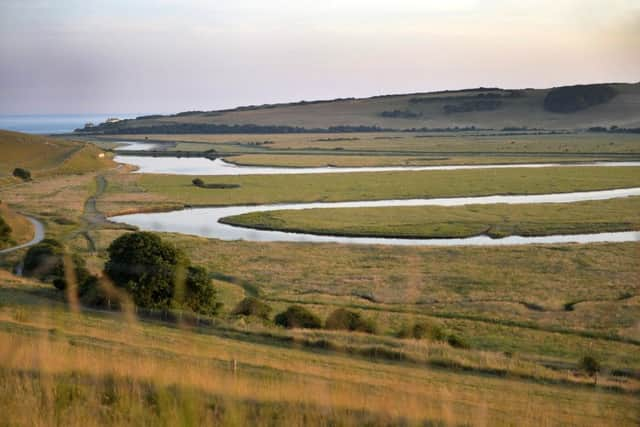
140,192
462,221
75,367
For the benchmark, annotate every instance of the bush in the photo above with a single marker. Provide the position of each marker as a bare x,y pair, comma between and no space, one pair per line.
298,317
23,174
591,366
342,319
197,182
422,330
251,306
152,270
45,261
200,296
457,342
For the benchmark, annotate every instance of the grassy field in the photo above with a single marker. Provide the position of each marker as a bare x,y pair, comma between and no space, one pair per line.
44,156
462,221
527,314
127,193
93,368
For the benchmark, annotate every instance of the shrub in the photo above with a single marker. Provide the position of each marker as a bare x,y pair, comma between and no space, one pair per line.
251,306
46,261
457,342
197,182
23,174
152,270
298,317
591,366
342,319
422,330
200,296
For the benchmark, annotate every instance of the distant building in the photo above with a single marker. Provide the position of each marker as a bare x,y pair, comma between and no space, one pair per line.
113,120
88,125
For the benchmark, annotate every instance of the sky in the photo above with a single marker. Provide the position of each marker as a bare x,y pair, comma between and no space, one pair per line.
163,56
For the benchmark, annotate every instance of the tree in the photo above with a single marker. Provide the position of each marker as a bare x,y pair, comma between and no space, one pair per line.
298,317
197,182
46,261
157,275
200,296
343,319
251,306
591,366
23,174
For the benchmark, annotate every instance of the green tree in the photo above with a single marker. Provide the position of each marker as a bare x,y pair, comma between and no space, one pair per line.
298,317
158,275
200,296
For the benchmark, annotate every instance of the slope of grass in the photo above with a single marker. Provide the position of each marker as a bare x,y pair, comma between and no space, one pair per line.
515,109
45,156
93,368
462,221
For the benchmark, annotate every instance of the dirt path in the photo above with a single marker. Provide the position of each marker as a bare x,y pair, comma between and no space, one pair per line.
38,236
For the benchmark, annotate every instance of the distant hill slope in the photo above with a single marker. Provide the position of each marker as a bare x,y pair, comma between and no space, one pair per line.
573,107
42,155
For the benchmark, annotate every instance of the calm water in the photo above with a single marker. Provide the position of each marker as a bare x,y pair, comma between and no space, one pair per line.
204,221
205,167
54,123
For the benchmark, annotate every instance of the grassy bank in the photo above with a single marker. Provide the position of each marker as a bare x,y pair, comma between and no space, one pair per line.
90,368
170,190
461,221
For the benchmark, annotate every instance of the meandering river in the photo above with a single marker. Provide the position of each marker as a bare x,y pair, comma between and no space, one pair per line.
205,221
205,167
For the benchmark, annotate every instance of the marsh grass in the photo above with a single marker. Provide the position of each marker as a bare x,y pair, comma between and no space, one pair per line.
450,222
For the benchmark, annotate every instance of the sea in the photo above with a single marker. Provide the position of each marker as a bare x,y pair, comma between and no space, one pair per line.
55,123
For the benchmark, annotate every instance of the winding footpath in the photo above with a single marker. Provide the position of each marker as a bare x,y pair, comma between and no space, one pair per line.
38,236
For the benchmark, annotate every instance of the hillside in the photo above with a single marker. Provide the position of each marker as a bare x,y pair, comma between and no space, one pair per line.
42,155
574,107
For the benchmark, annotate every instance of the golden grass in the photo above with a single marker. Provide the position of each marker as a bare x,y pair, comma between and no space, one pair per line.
56,348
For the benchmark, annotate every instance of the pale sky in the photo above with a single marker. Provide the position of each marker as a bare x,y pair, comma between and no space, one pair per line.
93,56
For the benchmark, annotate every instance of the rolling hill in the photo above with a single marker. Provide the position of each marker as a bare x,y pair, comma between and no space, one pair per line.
44,155
563,108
